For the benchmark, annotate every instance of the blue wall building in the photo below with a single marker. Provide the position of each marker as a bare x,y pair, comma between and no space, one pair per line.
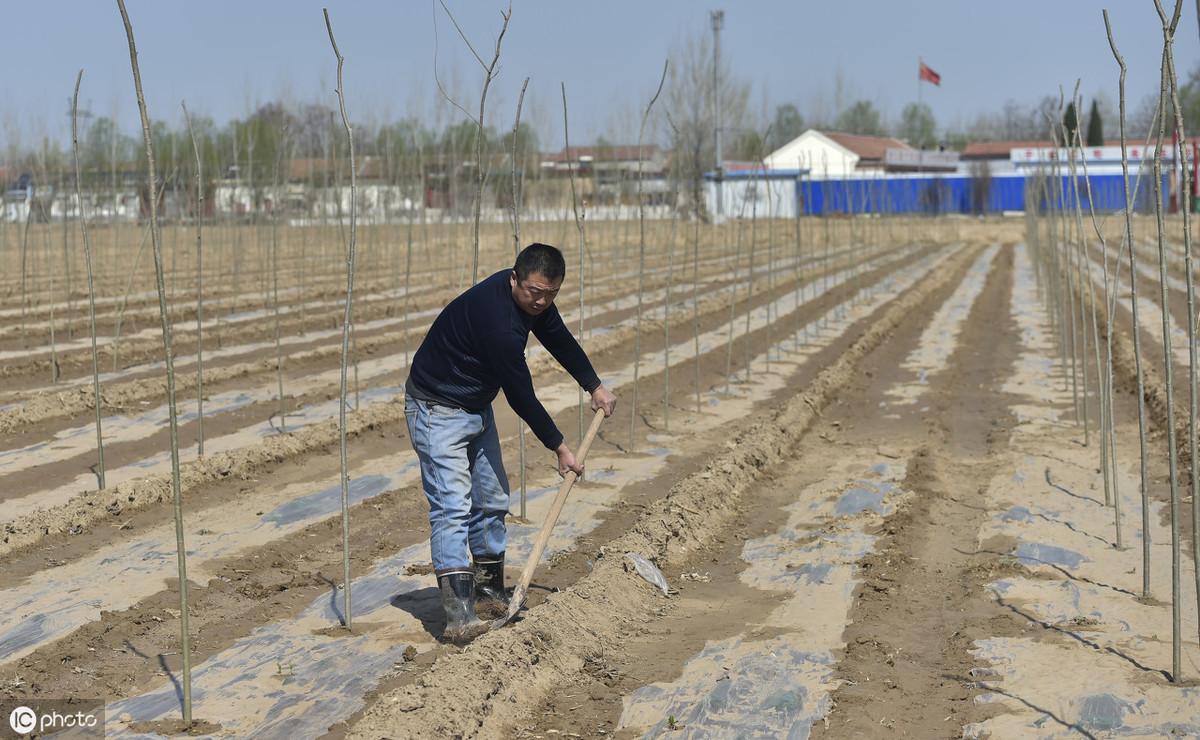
892,193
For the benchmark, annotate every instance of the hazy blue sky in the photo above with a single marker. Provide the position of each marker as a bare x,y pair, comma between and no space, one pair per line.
225,57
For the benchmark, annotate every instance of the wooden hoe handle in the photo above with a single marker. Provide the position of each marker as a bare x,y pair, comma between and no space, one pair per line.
539,545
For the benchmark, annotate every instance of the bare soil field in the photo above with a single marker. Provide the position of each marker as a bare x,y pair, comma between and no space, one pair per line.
864,459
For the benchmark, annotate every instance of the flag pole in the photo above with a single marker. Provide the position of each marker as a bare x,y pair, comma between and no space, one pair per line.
920,62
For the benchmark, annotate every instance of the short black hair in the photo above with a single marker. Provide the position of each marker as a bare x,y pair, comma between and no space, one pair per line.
540,258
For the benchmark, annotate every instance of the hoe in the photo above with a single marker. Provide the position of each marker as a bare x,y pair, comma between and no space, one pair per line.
564,489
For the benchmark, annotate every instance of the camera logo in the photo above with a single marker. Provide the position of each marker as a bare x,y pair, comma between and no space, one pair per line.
22,720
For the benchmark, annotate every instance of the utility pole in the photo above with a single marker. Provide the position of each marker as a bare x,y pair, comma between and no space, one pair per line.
718,22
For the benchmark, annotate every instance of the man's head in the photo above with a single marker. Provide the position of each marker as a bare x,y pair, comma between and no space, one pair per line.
536,277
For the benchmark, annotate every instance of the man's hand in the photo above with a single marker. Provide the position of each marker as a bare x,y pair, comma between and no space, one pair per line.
603,398
566,461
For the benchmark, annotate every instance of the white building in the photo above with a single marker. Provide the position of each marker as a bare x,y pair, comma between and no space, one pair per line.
750,190
833,154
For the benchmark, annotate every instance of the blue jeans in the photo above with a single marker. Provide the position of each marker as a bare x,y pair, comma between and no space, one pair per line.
464,480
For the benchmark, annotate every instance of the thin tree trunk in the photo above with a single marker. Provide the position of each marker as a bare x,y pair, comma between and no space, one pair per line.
346,326
165,319
737,253
1107,426
798,270
667,312
87,260
828,263
637,351
515,210
750,278
1168,357
1077,258
31,194
1088,289
770,259
420,148
50,275
275,281
304,227
200,287
66,231
1193,412
579,219
696,301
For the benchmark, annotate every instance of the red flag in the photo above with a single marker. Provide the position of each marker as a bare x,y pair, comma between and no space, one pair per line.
927,74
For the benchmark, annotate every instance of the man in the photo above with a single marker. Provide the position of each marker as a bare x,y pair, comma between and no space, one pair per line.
475,348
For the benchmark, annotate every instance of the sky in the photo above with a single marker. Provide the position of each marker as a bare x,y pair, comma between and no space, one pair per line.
225,58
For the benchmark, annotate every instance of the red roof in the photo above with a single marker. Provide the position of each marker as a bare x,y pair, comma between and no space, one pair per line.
999,149
866,147
1002,149
730,166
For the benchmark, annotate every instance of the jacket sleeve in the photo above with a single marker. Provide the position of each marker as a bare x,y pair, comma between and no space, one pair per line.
507,355
561,344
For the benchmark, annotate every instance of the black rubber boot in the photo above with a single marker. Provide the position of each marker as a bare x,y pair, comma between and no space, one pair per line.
458,600
489,581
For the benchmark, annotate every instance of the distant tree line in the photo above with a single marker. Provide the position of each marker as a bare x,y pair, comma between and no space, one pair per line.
250,147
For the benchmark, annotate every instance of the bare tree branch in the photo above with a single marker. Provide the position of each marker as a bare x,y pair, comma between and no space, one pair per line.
489,75
437,80
467,41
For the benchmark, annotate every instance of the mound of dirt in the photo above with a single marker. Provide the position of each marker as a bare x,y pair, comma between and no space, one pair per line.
88,508
501,676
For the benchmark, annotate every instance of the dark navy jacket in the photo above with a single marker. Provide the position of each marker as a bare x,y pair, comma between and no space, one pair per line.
476,347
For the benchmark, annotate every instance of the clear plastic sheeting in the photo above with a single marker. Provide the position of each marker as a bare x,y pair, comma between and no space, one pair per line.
53,602
778,687
269,683
1095,701
297,676
1096,659
160,462
649,572
940,336
1104,712
1040,553
140,566
862,498
1036,366
736,689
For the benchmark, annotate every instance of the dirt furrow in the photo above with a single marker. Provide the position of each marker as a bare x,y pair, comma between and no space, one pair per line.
78,401
34,560
329,557
139,344
504,675
84,510
372,336
747,645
